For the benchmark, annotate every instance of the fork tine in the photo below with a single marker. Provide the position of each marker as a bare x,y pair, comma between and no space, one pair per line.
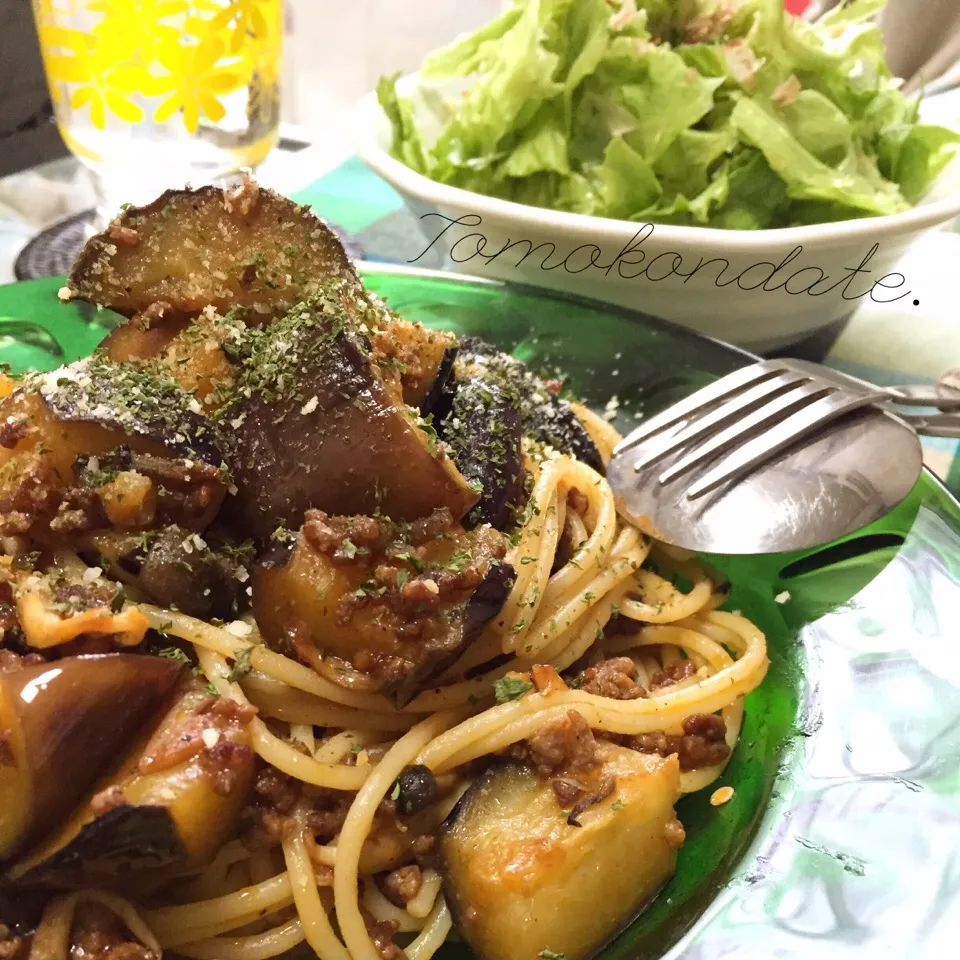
727,411
769,414
781,436
718,390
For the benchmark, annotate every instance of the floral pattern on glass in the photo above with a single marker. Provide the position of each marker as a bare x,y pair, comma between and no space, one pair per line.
136,59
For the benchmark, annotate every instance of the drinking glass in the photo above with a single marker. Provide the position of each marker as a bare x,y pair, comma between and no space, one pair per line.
152,94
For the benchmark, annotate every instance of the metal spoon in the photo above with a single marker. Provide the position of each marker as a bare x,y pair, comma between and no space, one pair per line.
817,477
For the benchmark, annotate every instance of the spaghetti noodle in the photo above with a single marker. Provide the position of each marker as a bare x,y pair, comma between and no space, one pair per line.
549,617
551,638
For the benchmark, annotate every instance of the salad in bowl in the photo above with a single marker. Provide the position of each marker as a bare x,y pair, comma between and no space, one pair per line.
706,130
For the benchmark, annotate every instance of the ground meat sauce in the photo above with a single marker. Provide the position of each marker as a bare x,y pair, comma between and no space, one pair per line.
702,743
565,745
37,493
422,849
382,933
392,550
677,671
13,430
330,535
277,795
184,494
270,818
406,588
674,834
80,511
400,886
616,678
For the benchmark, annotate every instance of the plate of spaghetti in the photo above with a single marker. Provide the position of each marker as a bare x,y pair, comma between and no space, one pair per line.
322,632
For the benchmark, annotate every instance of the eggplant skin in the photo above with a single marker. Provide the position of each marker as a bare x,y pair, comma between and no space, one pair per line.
127,836
172,813
198,582
66,721
475,613
484,434
545,416
441,380
133,399
314,425
521,882
485,602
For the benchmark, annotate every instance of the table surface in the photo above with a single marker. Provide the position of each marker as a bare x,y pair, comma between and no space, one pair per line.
886,344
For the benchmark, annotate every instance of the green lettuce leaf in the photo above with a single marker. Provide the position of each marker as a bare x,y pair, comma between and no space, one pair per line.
666,99
756,196
855,183
685,166
470,52
914,156
406,137
543,145
733,115
819,126
519,75
624,183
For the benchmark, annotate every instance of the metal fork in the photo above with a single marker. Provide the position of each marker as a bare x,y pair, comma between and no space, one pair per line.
756,412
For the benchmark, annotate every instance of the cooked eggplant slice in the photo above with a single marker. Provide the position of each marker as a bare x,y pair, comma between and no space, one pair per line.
387,606
422,358
522,882
61,427
483,434
143,336
545,416
176,568
193,248
61,725
171,805
314,425
135,399
37,457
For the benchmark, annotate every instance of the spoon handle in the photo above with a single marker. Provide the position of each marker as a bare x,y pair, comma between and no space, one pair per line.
923,395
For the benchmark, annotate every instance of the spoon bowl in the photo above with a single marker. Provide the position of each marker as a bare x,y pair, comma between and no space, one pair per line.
856,470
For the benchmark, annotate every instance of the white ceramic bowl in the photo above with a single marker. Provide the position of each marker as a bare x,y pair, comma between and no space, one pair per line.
763,289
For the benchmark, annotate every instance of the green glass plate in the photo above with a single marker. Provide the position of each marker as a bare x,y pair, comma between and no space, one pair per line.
843,834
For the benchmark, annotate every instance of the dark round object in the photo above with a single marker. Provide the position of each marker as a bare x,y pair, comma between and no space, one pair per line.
417,789
52,251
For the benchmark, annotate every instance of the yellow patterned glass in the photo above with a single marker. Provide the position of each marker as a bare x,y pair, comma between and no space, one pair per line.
156,93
